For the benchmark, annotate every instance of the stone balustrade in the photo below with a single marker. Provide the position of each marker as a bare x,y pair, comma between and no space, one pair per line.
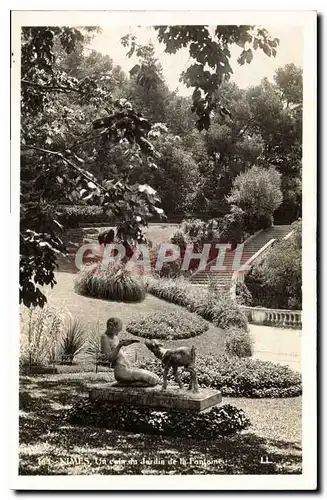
277,317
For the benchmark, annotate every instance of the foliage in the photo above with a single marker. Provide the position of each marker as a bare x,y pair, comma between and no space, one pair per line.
232,226
73,340
257,193
57,107
213,306
177,175
66,92
243,294
276,111
93,346
218,421
112,283
276,280
210,50
74,215
238,343
168,326
146,88
40,332
241,377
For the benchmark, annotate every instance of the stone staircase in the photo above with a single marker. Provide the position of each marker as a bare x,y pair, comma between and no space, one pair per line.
222,278
252,245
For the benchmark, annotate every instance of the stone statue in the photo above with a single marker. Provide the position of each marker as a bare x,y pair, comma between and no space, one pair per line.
124,373
174,358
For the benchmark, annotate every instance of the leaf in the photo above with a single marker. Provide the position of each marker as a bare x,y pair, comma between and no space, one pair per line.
135,70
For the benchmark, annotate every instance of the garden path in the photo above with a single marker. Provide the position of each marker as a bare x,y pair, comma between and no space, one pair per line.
280,345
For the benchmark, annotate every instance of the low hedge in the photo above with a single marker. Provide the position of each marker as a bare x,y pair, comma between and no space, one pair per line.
172,325
218,421
75,215
114,283
238,343
215,307
241,377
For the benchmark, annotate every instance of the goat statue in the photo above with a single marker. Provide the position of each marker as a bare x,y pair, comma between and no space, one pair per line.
174,358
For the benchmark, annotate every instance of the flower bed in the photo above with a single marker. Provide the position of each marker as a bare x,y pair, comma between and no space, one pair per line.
241,377
218,421
220,309
172,325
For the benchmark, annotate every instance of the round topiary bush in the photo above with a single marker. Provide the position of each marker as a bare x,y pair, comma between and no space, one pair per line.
218,421
172,325
241,377
113,283
238,343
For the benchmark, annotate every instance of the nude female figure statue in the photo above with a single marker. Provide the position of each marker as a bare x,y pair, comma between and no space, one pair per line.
124,373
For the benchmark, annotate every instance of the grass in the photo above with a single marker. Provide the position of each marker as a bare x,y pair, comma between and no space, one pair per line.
92,311
49,446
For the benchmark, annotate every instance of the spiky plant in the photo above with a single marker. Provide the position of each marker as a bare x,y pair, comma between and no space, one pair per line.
40,333
93,347
73,340
113,283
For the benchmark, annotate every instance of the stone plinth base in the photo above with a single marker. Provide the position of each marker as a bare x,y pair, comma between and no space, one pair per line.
172,398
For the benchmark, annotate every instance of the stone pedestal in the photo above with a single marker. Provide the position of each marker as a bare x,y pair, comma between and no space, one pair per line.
172,398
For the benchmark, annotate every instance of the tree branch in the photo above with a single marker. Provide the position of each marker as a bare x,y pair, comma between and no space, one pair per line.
69,162
54,88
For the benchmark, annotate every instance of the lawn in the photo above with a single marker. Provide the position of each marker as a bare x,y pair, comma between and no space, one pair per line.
49,446
92,311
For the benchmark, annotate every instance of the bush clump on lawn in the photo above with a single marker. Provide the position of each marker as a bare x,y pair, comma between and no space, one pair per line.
113,283
211,305
172,325
218,421
238,343
241,377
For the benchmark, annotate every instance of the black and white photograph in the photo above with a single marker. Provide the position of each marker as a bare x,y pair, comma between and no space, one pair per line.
163,173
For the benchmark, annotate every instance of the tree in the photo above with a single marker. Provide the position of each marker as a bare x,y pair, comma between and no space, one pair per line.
176,177
51,167
146,88
276,114
257,193
275,281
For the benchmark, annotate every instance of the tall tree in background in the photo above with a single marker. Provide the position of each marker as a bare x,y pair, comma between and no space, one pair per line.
276,111
146,88
209,47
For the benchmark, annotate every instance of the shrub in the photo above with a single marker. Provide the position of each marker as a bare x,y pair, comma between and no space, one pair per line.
257,192
113,283
212,305
172,325
41,329
75,215
243,294
73,339
276,280
238,343
241,377
218,421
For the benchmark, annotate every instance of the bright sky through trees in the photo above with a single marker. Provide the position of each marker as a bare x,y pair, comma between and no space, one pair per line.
290,50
